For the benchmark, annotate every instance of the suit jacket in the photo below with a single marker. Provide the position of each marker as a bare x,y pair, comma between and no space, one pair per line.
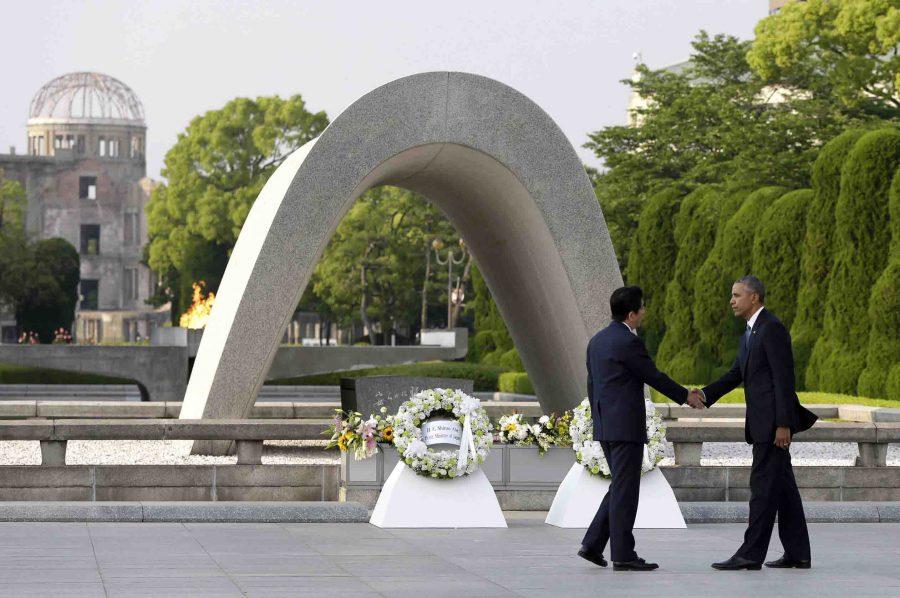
766,369
618,367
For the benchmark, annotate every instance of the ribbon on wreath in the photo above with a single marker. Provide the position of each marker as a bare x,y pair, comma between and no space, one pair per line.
466,446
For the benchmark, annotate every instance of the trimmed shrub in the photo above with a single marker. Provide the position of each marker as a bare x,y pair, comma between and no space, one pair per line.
817,257
652,259
492,339
881,377
510,361
515,382
730,258
697,222
776,252
861,236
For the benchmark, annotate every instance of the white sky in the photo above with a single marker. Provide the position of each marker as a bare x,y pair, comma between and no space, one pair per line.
184,58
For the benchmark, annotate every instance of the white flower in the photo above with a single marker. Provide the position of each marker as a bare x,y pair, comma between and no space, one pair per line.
544,420
416,449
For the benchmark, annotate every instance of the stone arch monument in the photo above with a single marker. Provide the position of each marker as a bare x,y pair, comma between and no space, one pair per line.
492,161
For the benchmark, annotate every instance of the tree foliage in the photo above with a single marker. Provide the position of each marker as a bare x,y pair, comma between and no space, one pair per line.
214,173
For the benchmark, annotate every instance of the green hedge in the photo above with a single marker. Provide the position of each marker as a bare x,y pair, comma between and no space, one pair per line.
776,252
485,377
736,396
652,259
881,377
696,225
516,382
817,256
861,236
17,374
729,259
492,340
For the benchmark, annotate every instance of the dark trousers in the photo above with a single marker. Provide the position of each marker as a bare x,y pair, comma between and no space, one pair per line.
614,520
773,490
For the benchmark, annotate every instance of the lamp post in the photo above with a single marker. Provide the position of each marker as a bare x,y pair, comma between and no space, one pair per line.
450,260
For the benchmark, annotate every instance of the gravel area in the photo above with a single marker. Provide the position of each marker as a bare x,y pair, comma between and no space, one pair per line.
173,452
162,452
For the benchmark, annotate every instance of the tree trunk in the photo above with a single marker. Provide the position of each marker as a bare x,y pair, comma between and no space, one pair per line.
363,306
460,284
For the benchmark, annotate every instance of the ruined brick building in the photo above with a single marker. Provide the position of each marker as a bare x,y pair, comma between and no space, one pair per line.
85,177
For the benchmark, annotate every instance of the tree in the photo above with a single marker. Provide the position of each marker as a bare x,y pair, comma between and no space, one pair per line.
881,376
730,258
842,52
373,268
12,237
493,344
715,121
214,172
817,257
861,236
777,249
652,260
48,293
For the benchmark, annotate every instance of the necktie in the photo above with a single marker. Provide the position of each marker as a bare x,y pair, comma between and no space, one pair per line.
747,333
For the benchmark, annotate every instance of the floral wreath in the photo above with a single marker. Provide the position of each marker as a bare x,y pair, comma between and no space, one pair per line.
443,464
589,453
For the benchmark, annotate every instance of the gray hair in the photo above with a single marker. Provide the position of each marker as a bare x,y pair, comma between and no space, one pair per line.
755,285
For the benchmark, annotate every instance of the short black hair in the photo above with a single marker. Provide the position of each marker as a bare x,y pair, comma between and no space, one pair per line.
625,300
754,285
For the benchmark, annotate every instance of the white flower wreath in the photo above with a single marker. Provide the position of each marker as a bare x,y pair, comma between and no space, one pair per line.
589,453
441,464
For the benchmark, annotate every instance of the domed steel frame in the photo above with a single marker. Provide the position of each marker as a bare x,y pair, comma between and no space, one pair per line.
86,96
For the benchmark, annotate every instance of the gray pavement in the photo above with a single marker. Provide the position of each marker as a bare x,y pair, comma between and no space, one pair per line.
356,559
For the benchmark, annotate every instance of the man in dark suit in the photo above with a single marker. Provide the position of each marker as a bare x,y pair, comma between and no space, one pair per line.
765,366
618,367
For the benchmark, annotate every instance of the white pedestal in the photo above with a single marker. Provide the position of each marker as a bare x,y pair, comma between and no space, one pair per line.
411,500
580,494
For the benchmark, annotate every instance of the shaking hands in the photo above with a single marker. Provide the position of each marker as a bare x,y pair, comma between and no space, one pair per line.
696,399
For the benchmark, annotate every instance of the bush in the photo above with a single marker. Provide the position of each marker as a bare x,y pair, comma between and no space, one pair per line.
510,361
699,218
652,259
17,374
776,252
861,236
729,259
492,339
817,257
883,356
485,377
516,382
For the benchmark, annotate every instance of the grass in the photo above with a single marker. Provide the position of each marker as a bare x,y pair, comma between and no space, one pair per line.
808,398
17,374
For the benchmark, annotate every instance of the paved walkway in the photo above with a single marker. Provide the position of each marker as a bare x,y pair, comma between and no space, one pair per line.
355,559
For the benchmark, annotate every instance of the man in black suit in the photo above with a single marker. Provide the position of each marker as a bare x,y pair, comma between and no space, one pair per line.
618,367
765,366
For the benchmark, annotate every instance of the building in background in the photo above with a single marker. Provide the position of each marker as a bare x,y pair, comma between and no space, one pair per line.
84,175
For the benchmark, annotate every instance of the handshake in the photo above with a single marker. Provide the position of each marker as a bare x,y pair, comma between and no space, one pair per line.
696,399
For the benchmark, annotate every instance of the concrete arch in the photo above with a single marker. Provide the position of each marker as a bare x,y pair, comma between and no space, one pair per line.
492,161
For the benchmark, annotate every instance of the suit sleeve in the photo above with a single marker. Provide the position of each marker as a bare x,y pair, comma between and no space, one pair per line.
590,381
728,382
777,345
640,364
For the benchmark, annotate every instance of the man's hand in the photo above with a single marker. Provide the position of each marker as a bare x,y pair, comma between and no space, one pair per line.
782,437
696,399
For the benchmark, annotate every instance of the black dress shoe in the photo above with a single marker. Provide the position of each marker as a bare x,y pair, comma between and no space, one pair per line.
737,563
635,565
593,557
786,563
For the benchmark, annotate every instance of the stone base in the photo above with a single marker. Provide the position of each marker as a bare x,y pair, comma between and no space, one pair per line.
580,494
411,500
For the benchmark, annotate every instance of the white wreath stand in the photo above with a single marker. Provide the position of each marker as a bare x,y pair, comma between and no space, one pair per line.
411,500
580,494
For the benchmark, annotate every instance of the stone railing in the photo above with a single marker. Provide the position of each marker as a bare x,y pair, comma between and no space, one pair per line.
248,434
873,438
